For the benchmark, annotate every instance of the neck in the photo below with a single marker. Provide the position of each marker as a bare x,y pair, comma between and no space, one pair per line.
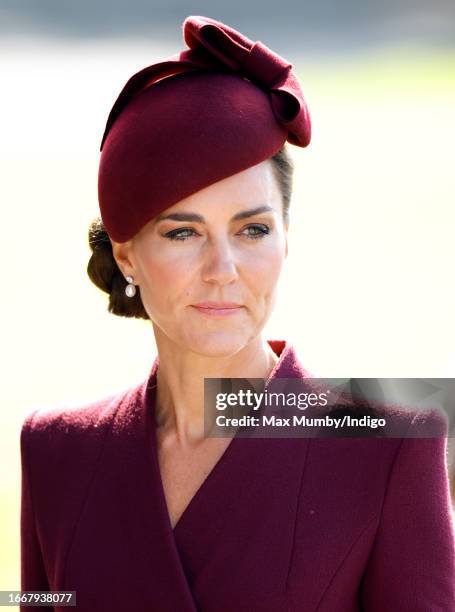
180,383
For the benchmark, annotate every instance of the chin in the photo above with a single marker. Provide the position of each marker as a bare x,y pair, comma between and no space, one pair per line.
217,344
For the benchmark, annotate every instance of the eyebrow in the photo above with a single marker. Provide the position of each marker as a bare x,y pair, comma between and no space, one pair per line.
187,216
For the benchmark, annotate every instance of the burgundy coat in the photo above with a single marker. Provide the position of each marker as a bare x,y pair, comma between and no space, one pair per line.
279,525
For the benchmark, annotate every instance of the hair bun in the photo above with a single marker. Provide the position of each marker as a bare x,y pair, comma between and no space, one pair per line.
101,267
104,272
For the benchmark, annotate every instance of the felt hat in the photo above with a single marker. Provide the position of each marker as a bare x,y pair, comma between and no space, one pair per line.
219,107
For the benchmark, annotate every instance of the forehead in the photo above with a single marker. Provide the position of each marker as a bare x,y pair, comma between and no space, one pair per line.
251,188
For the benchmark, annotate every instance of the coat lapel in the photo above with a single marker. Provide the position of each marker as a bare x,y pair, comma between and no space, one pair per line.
228,509
239,527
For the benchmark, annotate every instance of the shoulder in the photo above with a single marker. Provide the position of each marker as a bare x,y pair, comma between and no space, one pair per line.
386,418
60,427
61,447
68,419
412,441
424,444
414,423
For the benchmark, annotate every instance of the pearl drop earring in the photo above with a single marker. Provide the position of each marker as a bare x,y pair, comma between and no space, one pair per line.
130,289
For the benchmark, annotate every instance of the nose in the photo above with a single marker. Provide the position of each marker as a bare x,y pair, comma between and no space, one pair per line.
219,264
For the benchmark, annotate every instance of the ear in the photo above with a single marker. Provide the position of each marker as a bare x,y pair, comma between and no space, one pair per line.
286,227
123,255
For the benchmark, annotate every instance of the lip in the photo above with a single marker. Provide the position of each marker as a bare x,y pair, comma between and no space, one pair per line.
219,305
218,308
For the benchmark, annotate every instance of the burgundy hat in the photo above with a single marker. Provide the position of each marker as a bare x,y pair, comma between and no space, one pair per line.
201,115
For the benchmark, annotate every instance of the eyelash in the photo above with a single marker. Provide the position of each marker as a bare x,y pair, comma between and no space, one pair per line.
176,234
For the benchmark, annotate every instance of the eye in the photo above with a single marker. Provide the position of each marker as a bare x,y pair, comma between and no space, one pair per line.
178,234
259,229
254,232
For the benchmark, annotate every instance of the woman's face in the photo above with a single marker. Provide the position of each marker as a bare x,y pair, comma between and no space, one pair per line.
225,243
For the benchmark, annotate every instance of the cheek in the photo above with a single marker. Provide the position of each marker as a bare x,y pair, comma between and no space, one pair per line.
155,272
163,277
263,267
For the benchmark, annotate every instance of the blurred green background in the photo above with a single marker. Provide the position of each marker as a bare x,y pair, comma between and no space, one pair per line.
368,286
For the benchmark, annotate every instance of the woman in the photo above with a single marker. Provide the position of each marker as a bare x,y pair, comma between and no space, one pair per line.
125,501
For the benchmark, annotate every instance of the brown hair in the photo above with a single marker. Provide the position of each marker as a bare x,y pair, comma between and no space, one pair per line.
104,272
